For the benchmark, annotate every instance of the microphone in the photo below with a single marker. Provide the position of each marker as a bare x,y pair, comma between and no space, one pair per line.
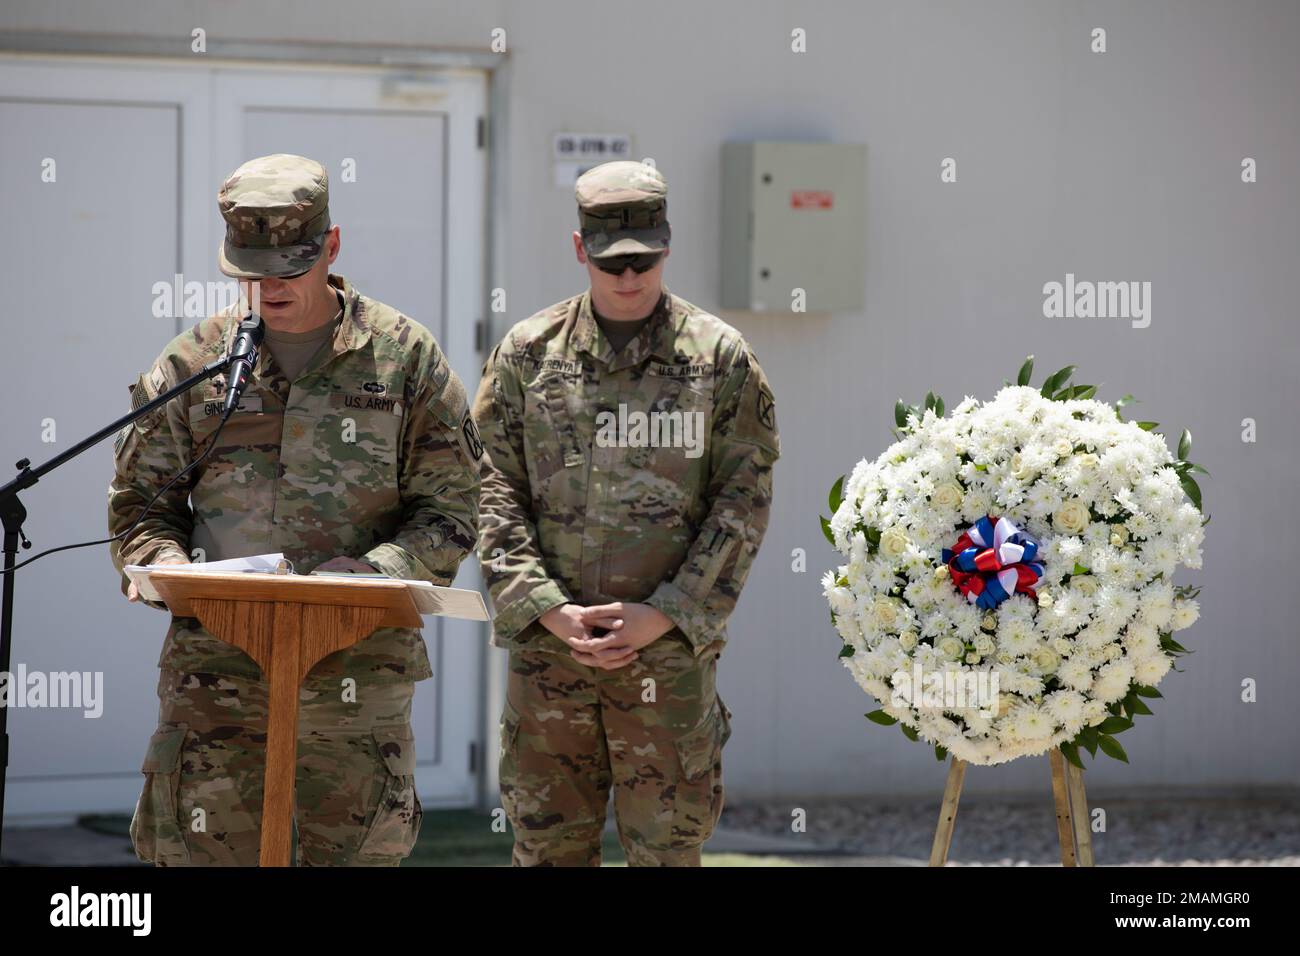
243,356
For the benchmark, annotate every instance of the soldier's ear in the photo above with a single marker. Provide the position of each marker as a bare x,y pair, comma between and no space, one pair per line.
332,244
578,250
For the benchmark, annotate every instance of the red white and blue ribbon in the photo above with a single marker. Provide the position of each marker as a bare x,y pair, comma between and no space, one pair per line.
992,560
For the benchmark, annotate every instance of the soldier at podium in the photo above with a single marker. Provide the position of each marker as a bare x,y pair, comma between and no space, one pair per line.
352,449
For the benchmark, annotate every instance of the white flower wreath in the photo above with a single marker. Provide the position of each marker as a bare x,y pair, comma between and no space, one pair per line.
1009,577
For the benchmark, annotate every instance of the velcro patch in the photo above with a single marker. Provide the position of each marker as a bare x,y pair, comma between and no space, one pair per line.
365,402
247,403
681,371
563,366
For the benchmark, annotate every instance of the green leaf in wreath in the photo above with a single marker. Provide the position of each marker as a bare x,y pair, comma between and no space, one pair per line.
1111,748
909,732
1071,753
1026,371
1184,444
826,530
940,754
1192,488
837,495
1148,426
1088,737
1056,380
1122,404
1145,690
848,650
1114,725
1137,707
900,414
881,718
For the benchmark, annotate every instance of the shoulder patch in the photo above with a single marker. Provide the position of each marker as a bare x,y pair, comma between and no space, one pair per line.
756,413
473,442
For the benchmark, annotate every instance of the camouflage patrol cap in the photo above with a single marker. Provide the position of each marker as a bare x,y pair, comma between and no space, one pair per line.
622,209
277,213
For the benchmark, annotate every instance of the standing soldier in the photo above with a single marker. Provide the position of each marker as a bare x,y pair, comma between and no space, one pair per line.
352,450
630,440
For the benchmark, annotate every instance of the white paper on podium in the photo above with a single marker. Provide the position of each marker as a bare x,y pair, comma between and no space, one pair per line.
429,598
138,574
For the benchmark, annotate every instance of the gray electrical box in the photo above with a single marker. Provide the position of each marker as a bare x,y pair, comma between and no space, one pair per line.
793,217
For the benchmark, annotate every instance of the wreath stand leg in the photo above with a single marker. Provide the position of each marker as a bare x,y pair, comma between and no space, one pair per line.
1065,831
1072,824
1079,814
948,812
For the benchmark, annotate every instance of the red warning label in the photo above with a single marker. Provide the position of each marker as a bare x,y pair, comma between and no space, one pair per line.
811,199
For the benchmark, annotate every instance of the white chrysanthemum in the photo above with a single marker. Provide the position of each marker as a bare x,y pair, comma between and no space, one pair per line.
1185,614
1149,670
1113,681
1066,706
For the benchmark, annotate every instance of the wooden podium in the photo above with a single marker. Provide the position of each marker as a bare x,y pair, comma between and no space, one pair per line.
285,623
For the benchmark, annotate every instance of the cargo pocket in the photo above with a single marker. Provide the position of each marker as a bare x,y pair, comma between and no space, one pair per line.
508,768
697,800
396,821
156,830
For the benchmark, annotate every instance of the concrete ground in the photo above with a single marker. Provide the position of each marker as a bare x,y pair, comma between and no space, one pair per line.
1152,830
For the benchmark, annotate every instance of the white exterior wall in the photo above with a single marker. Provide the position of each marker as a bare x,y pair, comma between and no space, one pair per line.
1115,166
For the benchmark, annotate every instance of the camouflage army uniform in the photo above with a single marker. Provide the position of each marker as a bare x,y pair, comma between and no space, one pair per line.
567,519
369,453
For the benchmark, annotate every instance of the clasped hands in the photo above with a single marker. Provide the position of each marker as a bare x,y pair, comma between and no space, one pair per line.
606,636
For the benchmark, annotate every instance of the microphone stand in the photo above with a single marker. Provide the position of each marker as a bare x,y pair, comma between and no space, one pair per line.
14,514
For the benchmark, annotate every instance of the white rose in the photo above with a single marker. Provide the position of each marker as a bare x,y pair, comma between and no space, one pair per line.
1046,659
886,613
1072,517
951,648
893,543
1085,584
947,495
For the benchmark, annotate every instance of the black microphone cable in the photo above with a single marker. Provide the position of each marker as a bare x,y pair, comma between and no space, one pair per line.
212,443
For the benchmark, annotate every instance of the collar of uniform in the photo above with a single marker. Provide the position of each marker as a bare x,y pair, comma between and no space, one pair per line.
353,331
654,338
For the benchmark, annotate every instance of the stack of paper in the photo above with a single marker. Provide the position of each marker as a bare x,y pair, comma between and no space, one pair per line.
429,598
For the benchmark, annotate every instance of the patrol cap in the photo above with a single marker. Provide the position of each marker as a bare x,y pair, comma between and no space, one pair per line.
277,213
622,209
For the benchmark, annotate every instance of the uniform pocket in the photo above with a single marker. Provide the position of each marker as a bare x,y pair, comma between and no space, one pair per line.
396,821
550,434
678,421
508,767
156,829
697,800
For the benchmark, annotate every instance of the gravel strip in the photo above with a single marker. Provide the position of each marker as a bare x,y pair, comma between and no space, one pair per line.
1010,832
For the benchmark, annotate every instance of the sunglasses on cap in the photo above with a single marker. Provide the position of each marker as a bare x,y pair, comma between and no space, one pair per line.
639,261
